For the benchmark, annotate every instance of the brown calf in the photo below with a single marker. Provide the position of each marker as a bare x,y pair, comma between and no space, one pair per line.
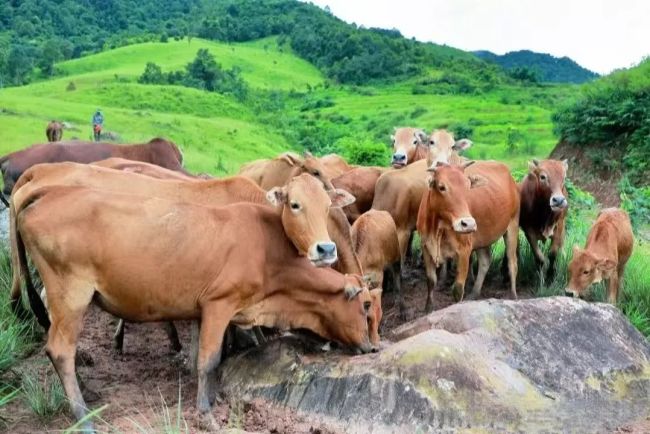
543,209
184,275
609,246
465,210
278,171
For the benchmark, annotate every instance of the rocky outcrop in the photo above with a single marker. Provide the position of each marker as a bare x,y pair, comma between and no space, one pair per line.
544,365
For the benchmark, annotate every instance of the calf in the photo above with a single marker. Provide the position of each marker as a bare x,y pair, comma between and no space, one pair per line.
609,246
543,209
360,182
278,171
465,210
87,246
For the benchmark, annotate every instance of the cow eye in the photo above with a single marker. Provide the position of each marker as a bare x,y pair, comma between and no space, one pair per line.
316,173
586,272
543,177
442,188
295,206
431,142
366,306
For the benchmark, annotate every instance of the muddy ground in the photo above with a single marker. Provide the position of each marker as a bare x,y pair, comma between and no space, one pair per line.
137,386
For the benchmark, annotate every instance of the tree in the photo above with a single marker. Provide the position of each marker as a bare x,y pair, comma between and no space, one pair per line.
50,54
152,74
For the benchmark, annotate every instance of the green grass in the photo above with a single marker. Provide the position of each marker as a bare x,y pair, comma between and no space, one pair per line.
43,392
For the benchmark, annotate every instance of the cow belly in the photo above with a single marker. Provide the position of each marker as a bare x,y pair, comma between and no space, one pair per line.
139,309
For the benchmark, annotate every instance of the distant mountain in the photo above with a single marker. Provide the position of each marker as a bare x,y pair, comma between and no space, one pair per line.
550,68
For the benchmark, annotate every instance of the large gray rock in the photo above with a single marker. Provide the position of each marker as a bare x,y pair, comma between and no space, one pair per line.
544,365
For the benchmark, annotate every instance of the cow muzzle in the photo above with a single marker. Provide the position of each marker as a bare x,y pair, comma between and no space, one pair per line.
323,254
465,225
558,202
399,160
570,293
366,347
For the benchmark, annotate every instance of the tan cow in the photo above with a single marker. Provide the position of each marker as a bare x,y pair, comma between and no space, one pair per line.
468,210
360,182
278,171
146,169
334,165
207,263
544,207
609,246
443,148
409,146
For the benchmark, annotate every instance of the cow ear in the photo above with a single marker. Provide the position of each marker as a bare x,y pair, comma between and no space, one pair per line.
576,250
565,165
307,154
367,279
340,198
477,181
606,265
421,136
277,196
462,145
431,181
532,166
291,158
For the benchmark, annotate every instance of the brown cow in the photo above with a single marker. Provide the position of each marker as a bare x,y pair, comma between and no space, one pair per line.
54,131
157,151
334,165
184,275
543,209
146,169
457,217
278,171
409,146
360,182
609,246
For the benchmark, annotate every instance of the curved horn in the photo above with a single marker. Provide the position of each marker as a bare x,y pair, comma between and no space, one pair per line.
536,162
467,164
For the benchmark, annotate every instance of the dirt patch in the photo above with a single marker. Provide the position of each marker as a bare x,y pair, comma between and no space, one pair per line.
147,382
601,183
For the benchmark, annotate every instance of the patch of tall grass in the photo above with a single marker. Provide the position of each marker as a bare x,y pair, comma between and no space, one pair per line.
43,392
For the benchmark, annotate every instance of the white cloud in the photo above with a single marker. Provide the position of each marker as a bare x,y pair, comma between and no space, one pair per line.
601,35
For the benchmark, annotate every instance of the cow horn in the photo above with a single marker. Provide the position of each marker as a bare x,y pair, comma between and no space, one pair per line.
351,292
468,163
307,154
536,162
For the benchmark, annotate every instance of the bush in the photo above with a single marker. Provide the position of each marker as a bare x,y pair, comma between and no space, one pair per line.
462,131
363,151
71,87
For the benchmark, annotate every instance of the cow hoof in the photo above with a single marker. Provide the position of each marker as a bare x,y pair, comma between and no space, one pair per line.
457,293
207,422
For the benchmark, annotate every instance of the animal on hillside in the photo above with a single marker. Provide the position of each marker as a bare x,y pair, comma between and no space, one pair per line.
176,279
157,151
54,131
278,171
409,146
468,208
360,182
544,207
608,248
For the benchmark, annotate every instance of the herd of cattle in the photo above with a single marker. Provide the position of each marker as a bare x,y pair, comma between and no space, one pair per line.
291,242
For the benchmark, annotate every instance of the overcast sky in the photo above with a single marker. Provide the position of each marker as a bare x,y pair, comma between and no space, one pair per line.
601,35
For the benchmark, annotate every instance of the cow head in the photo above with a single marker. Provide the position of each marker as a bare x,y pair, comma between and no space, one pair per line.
442,147
312,166
448,188
375,315
585,269
405,144
305,214
549,176
346,319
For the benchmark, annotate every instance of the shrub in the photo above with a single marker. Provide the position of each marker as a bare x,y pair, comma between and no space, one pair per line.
462,131
71,86
363,151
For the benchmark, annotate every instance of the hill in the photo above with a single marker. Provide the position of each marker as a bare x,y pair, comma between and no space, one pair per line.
550,69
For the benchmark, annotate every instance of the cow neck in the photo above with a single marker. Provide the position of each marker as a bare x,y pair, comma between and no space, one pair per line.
340,231
434,228
421,152
601,241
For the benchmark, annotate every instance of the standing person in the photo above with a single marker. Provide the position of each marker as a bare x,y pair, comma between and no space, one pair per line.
98,123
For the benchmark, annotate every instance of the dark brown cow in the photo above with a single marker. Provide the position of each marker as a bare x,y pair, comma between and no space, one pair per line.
54,131
158,151
409,146
278,171
467,210
360,182
87,246
608,248
543,209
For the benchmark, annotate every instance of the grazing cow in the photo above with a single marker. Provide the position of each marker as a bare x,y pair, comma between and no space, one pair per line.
157,151
444,149
543,209
54,131
609,246
360,182
409,146
334,165
87,246
465,210
278,171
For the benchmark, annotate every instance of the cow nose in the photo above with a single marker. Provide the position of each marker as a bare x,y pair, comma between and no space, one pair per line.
465,224
558,201
326,249
398,157
569,293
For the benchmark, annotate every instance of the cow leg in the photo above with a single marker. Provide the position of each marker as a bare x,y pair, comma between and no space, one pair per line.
403,239
442,277
512,240
213,326
194,346
118,337
396,272
430,267
462,268
557,240
533,240
172,334
257,332
612,288
409,248
484,258
67,314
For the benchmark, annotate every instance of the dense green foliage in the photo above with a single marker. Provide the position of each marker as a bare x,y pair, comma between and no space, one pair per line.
546,67
39,33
